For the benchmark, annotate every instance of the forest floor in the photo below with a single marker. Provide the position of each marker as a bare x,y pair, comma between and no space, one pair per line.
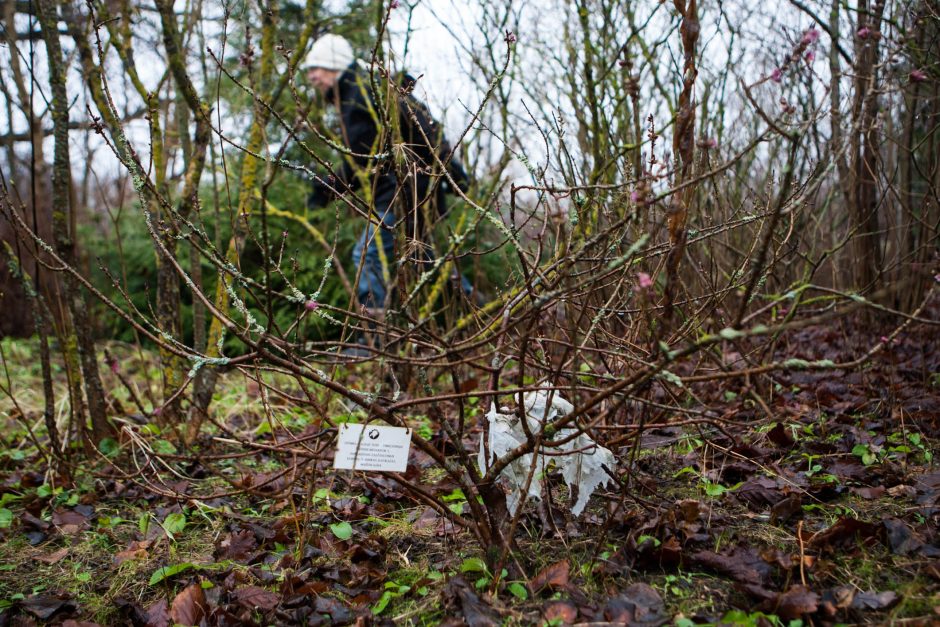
815,503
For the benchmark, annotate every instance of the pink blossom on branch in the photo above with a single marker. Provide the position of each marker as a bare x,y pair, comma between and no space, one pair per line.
918,76
643,280
810,56
864,32
777,75
311,305
810,36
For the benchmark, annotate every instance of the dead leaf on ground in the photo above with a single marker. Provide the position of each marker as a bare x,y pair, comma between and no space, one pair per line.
44,606
473,610
70,522
563,611
845,532
744,565
792,604
255,598
190,606
238,546
780,436
875,600
54,557
158,614
137,549
785,509
639,604
554,576
870,493
338,612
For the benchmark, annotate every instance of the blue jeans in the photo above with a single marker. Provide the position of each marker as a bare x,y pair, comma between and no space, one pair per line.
371,288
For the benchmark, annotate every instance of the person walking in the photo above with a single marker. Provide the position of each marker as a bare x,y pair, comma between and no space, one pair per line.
408,190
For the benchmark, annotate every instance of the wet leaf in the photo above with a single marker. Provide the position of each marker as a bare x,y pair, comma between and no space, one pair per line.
44,606
237,546
786,509
54,557
190,606
158,614
875,600
469,605
554,576
137,549
743,565
638,604
338,612
792,604
561,611
845,532
255,598
780,436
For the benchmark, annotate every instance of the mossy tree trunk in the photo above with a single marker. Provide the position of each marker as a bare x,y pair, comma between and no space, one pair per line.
78,342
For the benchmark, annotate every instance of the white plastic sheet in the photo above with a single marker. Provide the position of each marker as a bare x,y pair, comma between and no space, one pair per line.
580,460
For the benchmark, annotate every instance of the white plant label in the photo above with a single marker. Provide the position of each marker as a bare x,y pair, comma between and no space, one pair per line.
376,447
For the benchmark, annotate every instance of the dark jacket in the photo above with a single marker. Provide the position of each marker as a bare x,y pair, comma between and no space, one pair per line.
412,163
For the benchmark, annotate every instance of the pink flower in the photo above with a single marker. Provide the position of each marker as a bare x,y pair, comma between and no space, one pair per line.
708,143
644,280
918,76
634,196
311,305
884,339
510,37
864,32
810,56
777,75
810,36
114,366
393,4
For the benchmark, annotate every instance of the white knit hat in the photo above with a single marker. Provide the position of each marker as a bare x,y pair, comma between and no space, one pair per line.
331,52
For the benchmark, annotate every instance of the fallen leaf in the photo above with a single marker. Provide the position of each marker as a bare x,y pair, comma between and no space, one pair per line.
785,509
743,565
870,494
554,576
53,557
338,612
901,538
902,491
237,546
639,604
137,549
158,614
561,611
69,521
474,611
44,606
845,532
255,598
875,600
190,606
780,436
792,604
